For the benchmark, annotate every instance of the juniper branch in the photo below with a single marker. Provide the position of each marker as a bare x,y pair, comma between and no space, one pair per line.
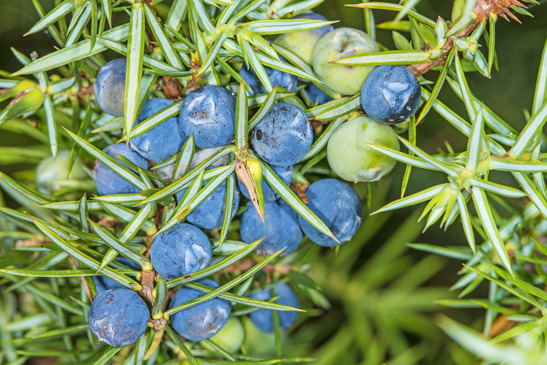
482,11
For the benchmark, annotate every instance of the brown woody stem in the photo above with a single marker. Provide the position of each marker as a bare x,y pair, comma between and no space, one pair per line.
147,282
422,68
482,9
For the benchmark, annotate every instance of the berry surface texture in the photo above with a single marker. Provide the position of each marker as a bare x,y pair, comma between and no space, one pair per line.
118,317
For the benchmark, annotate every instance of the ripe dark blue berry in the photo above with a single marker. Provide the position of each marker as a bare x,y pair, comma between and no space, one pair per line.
162,141
210,213
208,114
263,318
118,317
110,87
107,181
280,229
202,321
180,250
284,136
391,94
338,206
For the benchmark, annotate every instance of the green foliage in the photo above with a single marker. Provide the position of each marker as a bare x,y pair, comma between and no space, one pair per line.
52,245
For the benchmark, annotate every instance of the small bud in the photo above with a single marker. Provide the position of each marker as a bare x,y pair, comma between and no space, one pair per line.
249,172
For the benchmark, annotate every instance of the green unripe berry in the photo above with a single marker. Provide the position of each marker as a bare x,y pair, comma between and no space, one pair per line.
337,44
258,342
303,43
300,43
351,159
52,169
230,337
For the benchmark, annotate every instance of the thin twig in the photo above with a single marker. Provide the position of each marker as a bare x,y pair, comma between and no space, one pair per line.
482,9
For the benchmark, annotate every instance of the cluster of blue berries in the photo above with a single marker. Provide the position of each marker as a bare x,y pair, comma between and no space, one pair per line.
390,95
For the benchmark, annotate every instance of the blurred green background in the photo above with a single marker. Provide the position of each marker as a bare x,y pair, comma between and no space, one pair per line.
381,293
